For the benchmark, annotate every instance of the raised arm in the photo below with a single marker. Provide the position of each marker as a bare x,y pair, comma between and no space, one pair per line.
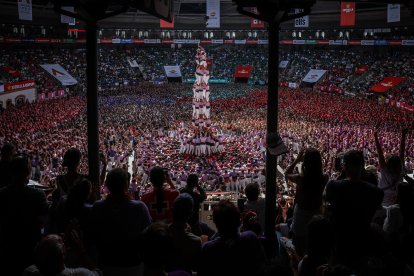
289,171
381,158
402,146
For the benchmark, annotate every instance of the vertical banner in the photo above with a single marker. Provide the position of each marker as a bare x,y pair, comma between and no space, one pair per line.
256,23
393,13
301,22
213,14
25,9
67,19
166,25
347,14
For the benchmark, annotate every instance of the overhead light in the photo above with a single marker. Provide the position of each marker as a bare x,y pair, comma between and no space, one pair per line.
211,35
294,34
323,35
205,34
317,34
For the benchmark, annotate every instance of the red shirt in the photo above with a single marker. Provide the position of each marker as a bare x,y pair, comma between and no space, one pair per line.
165,210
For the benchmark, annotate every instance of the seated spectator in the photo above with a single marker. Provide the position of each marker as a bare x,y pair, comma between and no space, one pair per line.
117,223
21,219
353,203
7,152
319,248
256,204
187,246
158,247
161,199
50,260
231,252
199,195
308,198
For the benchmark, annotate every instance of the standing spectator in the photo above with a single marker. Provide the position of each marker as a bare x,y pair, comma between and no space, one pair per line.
232,252
160,200
21,219
353,203
309,188
199,195
254,203
187,245
117,222
7,152
391,170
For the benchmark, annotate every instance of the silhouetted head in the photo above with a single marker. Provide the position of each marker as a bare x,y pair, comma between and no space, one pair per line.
226,216
183,208
192,181
251,222
312,163
8,151
252,191
117,181
353,164
157,177
158,246
21,170
49,255
71,158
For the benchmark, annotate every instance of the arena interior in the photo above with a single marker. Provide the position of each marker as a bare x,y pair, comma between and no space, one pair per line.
183,137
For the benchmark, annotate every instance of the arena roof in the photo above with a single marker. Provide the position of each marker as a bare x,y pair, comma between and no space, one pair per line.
190,14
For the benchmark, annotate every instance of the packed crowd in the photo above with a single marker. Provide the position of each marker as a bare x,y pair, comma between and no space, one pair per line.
342,206
115,70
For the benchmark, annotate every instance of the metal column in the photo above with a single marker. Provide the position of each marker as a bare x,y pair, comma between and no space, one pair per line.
92,101
272,127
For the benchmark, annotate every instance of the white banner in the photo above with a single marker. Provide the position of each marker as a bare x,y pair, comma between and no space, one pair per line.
132,62
393,13
172,71
1,88
217,41
152,41
301,22
240,41
59,73
283,64
25,9
293,85
213,14
314,75
67,19
186,41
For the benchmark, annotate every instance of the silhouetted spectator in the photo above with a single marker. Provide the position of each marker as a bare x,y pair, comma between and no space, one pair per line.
7,152
254,203
21,219
231,252
117,223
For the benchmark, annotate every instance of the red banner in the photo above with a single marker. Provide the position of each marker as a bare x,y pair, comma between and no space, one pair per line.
243,71
347,13
166,25
361,70
11,71
386,84
21,85
256,23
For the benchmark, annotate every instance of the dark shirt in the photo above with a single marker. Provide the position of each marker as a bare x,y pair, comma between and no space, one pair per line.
242,255
198,198
5,173
117,225
353,204
21,209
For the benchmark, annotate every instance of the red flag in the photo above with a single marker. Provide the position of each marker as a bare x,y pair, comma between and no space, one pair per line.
361,70
386,84
167,25
256,23
347,13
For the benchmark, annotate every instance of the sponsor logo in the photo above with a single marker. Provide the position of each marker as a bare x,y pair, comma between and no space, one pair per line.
348,8
387,84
